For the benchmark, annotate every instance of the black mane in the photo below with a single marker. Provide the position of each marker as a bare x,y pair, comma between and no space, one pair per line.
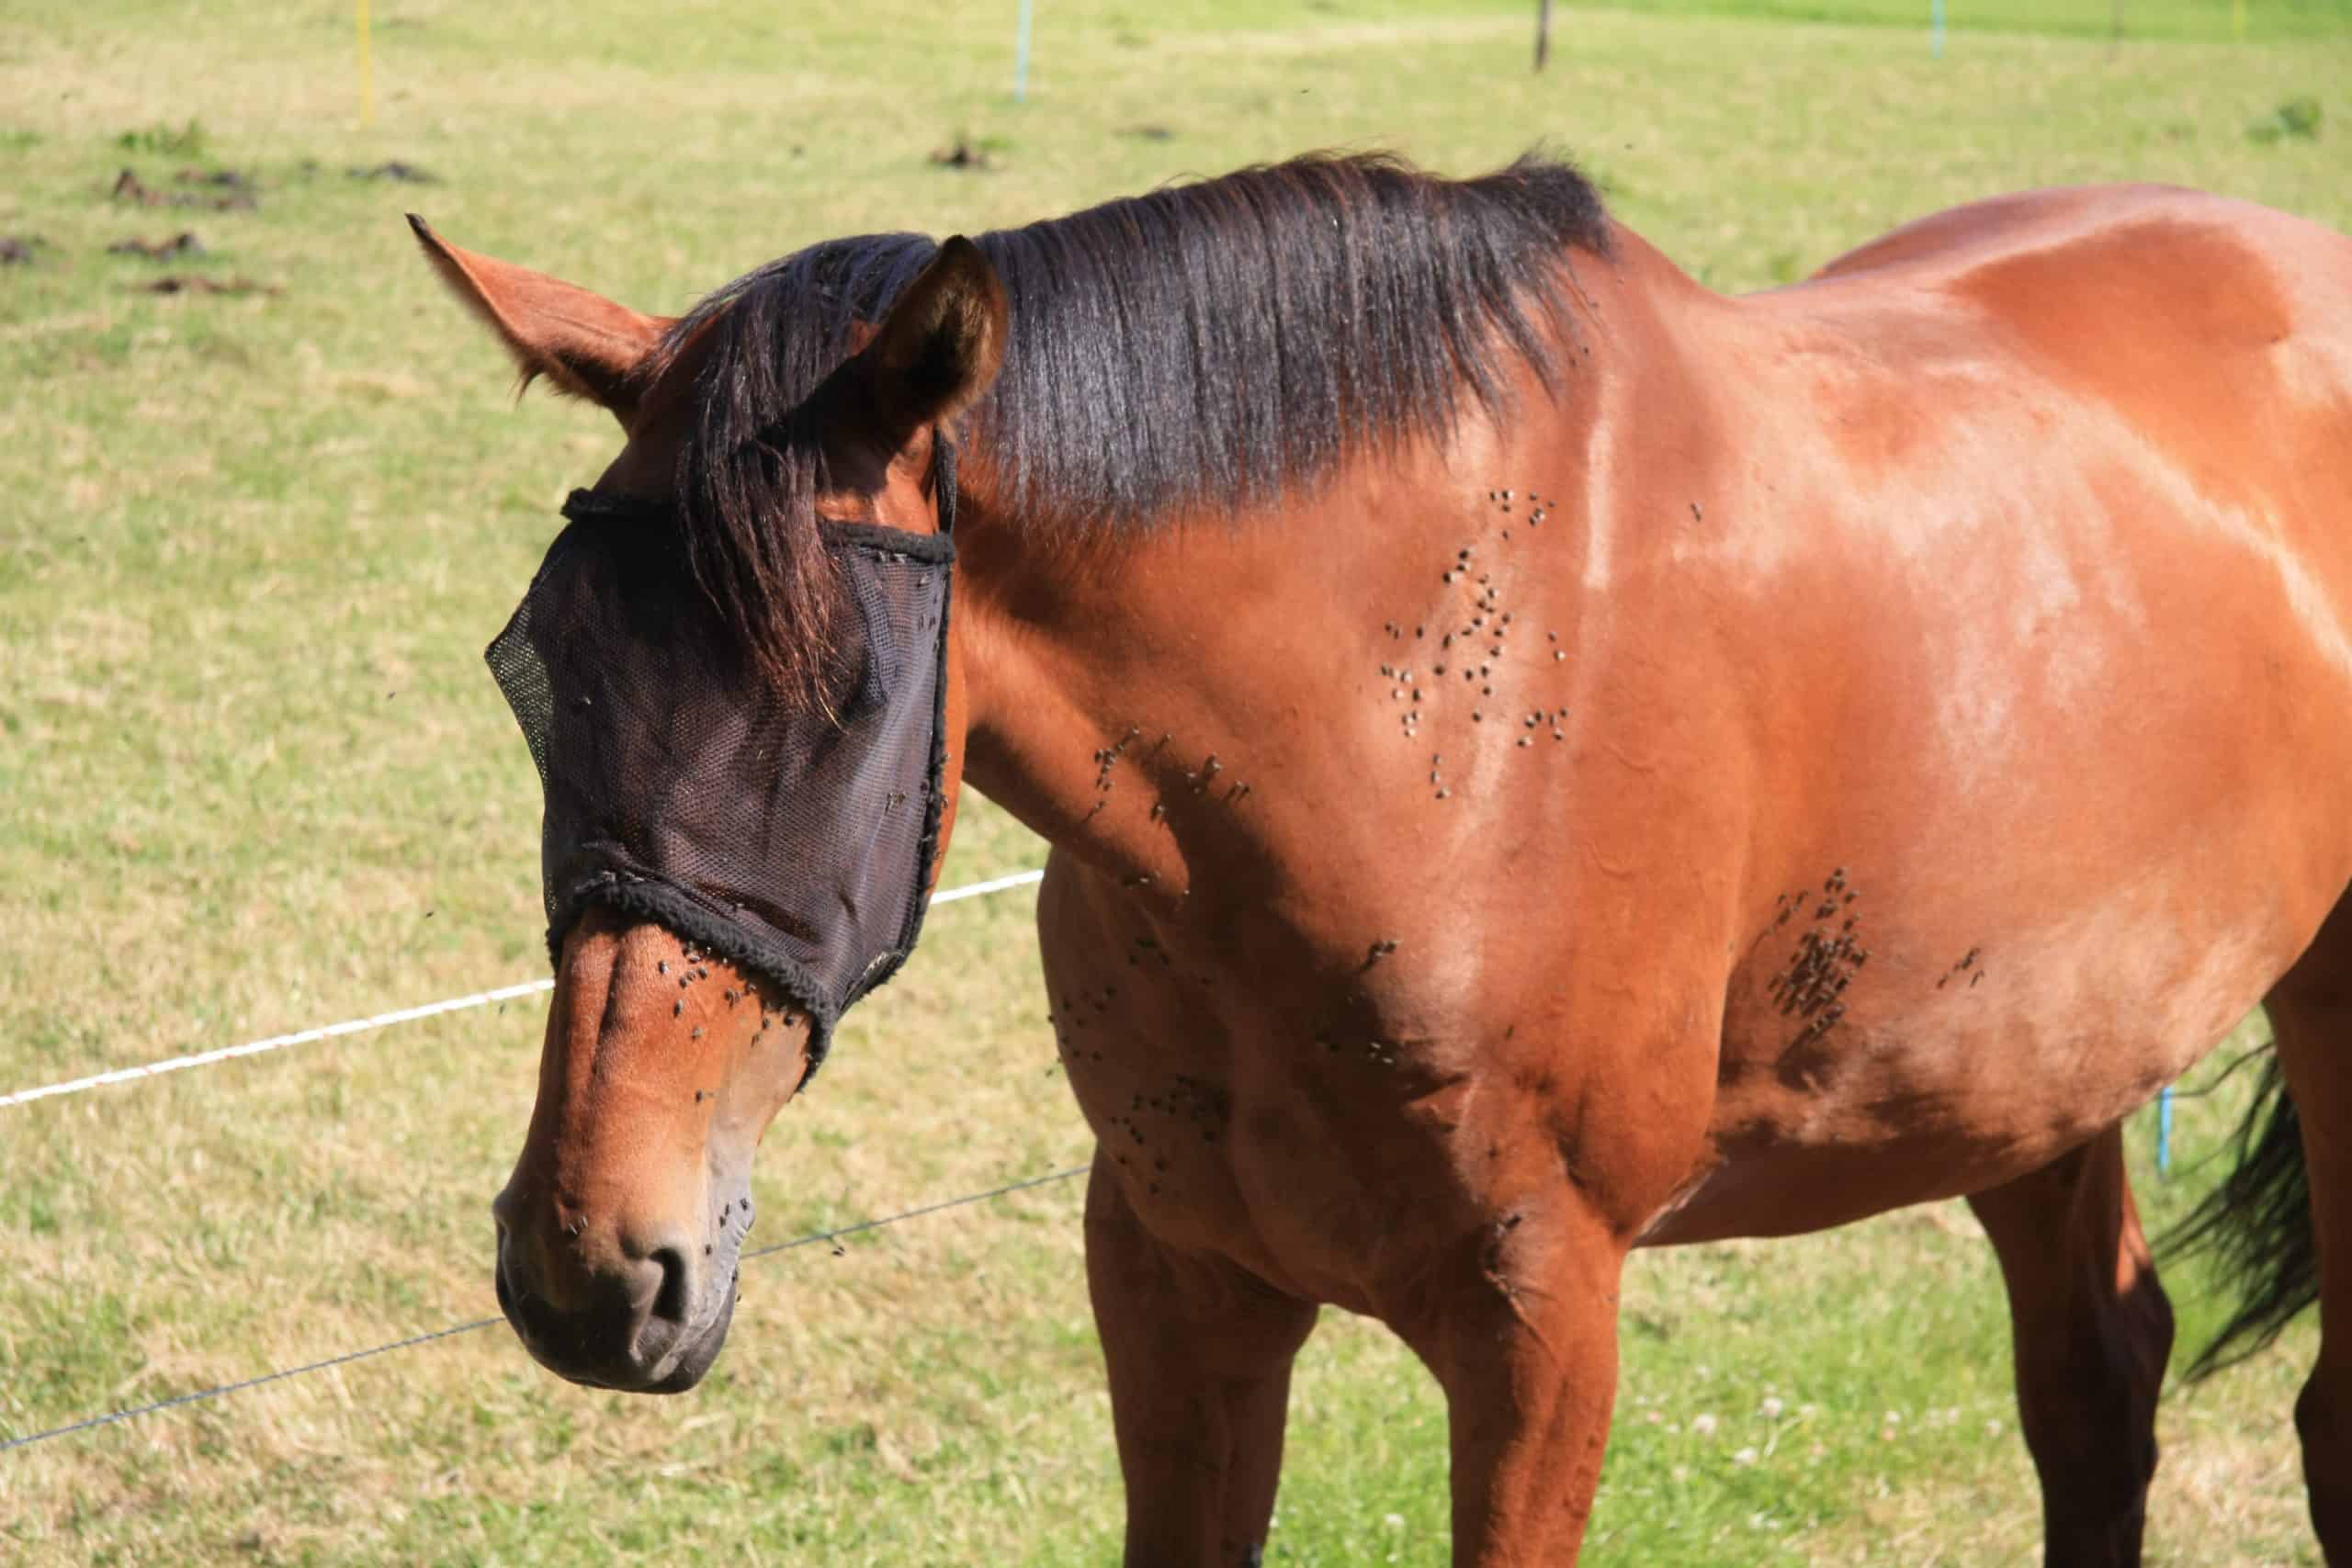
1206,345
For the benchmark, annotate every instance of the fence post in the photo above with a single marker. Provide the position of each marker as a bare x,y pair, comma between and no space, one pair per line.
367,70
1021,51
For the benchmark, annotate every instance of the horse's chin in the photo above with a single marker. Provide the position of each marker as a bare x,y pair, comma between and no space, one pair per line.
677,1370
620,1352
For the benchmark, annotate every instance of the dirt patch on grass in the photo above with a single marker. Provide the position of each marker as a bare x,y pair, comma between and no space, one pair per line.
130,189
185,283
184,244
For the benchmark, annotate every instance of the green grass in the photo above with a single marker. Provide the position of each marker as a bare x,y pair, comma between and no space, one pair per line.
252,776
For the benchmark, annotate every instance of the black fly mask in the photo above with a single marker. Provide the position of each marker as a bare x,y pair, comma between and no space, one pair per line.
681,789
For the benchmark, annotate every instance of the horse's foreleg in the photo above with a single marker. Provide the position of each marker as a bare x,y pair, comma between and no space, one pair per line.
2091,1331
1199,1356
2311,1013
1522,1337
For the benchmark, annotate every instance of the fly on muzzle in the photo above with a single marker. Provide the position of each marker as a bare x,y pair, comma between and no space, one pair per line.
681,789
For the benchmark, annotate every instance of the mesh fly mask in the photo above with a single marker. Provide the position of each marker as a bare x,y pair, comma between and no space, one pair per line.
679,789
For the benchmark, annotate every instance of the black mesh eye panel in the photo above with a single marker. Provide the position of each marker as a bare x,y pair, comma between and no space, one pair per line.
679,789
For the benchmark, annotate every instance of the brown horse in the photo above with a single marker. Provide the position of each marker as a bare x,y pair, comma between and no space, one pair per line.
1542,759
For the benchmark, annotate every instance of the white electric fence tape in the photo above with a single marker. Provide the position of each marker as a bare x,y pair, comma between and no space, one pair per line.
385,1020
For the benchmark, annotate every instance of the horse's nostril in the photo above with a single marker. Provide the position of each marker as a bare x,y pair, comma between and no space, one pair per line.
670,1299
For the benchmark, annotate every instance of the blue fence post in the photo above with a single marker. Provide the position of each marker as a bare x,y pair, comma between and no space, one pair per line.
2164,1134
1935,28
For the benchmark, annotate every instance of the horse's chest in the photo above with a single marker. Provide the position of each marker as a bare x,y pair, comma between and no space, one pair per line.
1239,1124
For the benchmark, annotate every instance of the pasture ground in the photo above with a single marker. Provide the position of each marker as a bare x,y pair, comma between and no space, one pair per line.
252,776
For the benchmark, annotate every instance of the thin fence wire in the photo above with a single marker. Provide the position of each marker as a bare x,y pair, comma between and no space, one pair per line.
385,1020
835,1236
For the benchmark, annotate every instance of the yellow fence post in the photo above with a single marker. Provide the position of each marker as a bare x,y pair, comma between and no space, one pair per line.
367,73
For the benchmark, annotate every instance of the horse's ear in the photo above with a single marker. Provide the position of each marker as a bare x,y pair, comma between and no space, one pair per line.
941,344
584,343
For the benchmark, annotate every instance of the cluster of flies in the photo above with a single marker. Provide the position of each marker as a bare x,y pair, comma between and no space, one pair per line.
1198,781
1188,1101
1968,965
1106,760
693,967
1826,960
1474,649
1073,1016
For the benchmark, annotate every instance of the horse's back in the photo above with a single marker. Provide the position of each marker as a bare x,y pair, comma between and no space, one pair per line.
2090,225
2189,348
2221,328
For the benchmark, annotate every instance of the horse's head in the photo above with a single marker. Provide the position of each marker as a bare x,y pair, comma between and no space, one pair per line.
747,730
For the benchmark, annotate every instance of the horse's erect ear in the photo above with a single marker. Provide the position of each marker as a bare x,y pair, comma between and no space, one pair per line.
586,344
942,343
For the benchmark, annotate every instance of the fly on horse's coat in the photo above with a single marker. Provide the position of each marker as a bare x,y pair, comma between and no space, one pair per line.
1578,762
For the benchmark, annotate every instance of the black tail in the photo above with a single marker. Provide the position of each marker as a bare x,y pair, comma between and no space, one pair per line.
2257,1226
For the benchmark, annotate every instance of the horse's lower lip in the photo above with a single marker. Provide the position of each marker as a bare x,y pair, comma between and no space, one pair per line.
686,1362
679,1365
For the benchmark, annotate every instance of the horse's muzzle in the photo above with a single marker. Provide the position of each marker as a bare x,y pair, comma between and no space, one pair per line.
640,1321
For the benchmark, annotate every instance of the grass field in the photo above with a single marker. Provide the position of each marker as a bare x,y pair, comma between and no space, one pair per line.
2207,21
252,776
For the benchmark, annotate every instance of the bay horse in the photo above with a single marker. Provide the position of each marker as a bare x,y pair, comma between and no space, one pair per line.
1541,760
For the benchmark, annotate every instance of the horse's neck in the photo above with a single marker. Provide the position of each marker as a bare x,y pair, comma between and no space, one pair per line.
1244,710
1135,700
1267,692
